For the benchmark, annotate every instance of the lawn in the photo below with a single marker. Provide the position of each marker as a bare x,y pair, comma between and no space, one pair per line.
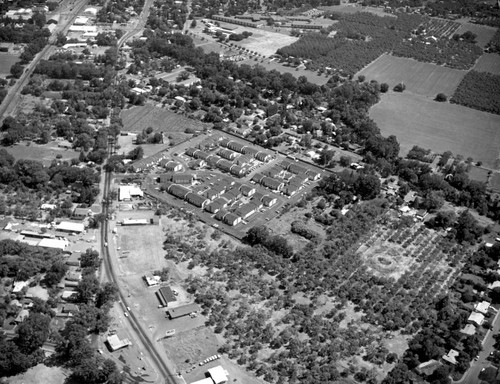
479,174
420,78
136,119
439,127
488,62
484,33
6,61
43,153
266,42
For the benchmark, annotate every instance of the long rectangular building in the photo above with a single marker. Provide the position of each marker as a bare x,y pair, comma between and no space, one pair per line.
184,310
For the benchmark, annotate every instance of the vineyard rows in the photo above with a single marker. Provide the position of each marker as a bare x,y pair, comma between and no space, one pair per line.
440,28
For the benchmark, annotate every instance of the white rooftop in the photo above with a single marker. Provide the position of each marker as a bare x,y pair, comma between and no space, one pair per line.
207,380
482,307
127,191
476,317
53,243
69,226
218,374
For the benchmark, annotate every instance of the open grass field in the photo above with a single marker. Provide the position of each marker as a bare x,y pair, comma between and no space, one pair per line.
43,153
6,61
136,119
488,62
420,78
479,174
353,8
484,32
439,126
211,46
495,182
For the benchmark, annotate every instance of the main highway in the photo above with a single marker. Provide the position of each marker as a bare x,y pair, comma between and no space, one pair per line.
134,325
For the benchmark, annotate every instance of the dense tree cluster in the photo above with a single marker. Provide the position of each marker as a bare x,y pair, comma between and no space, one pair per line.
260,235
476,90
22,261
118,11
32,34
362,37
349,184
301,228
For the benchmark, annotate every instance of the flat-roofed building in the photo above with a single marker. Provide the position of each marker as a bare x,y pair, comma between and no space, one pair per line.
166,296
69,226
218,375
127,192
115,343
183,310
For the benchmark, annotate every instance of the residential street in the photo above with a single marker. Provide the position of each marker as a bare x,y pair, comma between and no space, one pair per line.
471,376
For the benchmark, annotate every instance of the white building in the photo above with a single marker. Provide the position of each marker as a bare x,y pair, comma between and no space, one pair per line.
126,192
68,226
482,307
53,243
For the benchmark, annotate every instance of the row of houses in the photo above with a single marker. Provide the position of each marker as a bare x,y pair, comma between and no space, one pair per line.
289,178
245,149
149,162
222,161
218,199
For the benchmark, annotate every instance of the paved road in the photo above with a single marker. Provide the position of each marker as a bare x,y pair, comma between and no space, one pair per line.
132,322
10,102
472,374
141,23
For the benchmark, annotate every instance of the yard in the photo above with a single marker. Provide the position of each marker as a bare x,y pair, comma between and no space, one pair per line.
439,126
7,60
488,62
136,119
420,78
43,153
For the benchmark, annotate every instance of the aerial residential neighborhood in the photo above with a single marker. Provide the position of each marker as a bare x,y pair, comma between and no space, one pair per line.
282,192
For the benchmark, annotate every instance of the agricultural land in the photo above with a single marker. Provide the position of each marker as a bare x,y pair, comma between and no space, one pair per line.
210,192
441,127
420,78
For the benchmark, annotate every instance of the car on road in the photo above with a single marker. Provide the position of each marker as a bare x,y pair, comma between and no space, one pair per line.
126,314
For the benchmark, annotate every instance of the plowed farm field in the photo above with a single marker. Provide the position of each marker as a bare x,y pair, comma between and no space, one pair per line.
420,78
439,126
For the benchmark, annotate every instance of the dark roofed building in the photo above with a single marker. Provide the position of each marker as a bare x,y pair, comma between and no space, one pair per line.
285,164
297,169
225,165
313,175
252,151
191,151
246,210
258,177
273,172
269,201
166,296
263,156
201,155
196,200
178,191
220,215
237,171
184,310
213,207
235,146
181,178
231,219
224,142
247,190
212,160
291,189
275,185
227,154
